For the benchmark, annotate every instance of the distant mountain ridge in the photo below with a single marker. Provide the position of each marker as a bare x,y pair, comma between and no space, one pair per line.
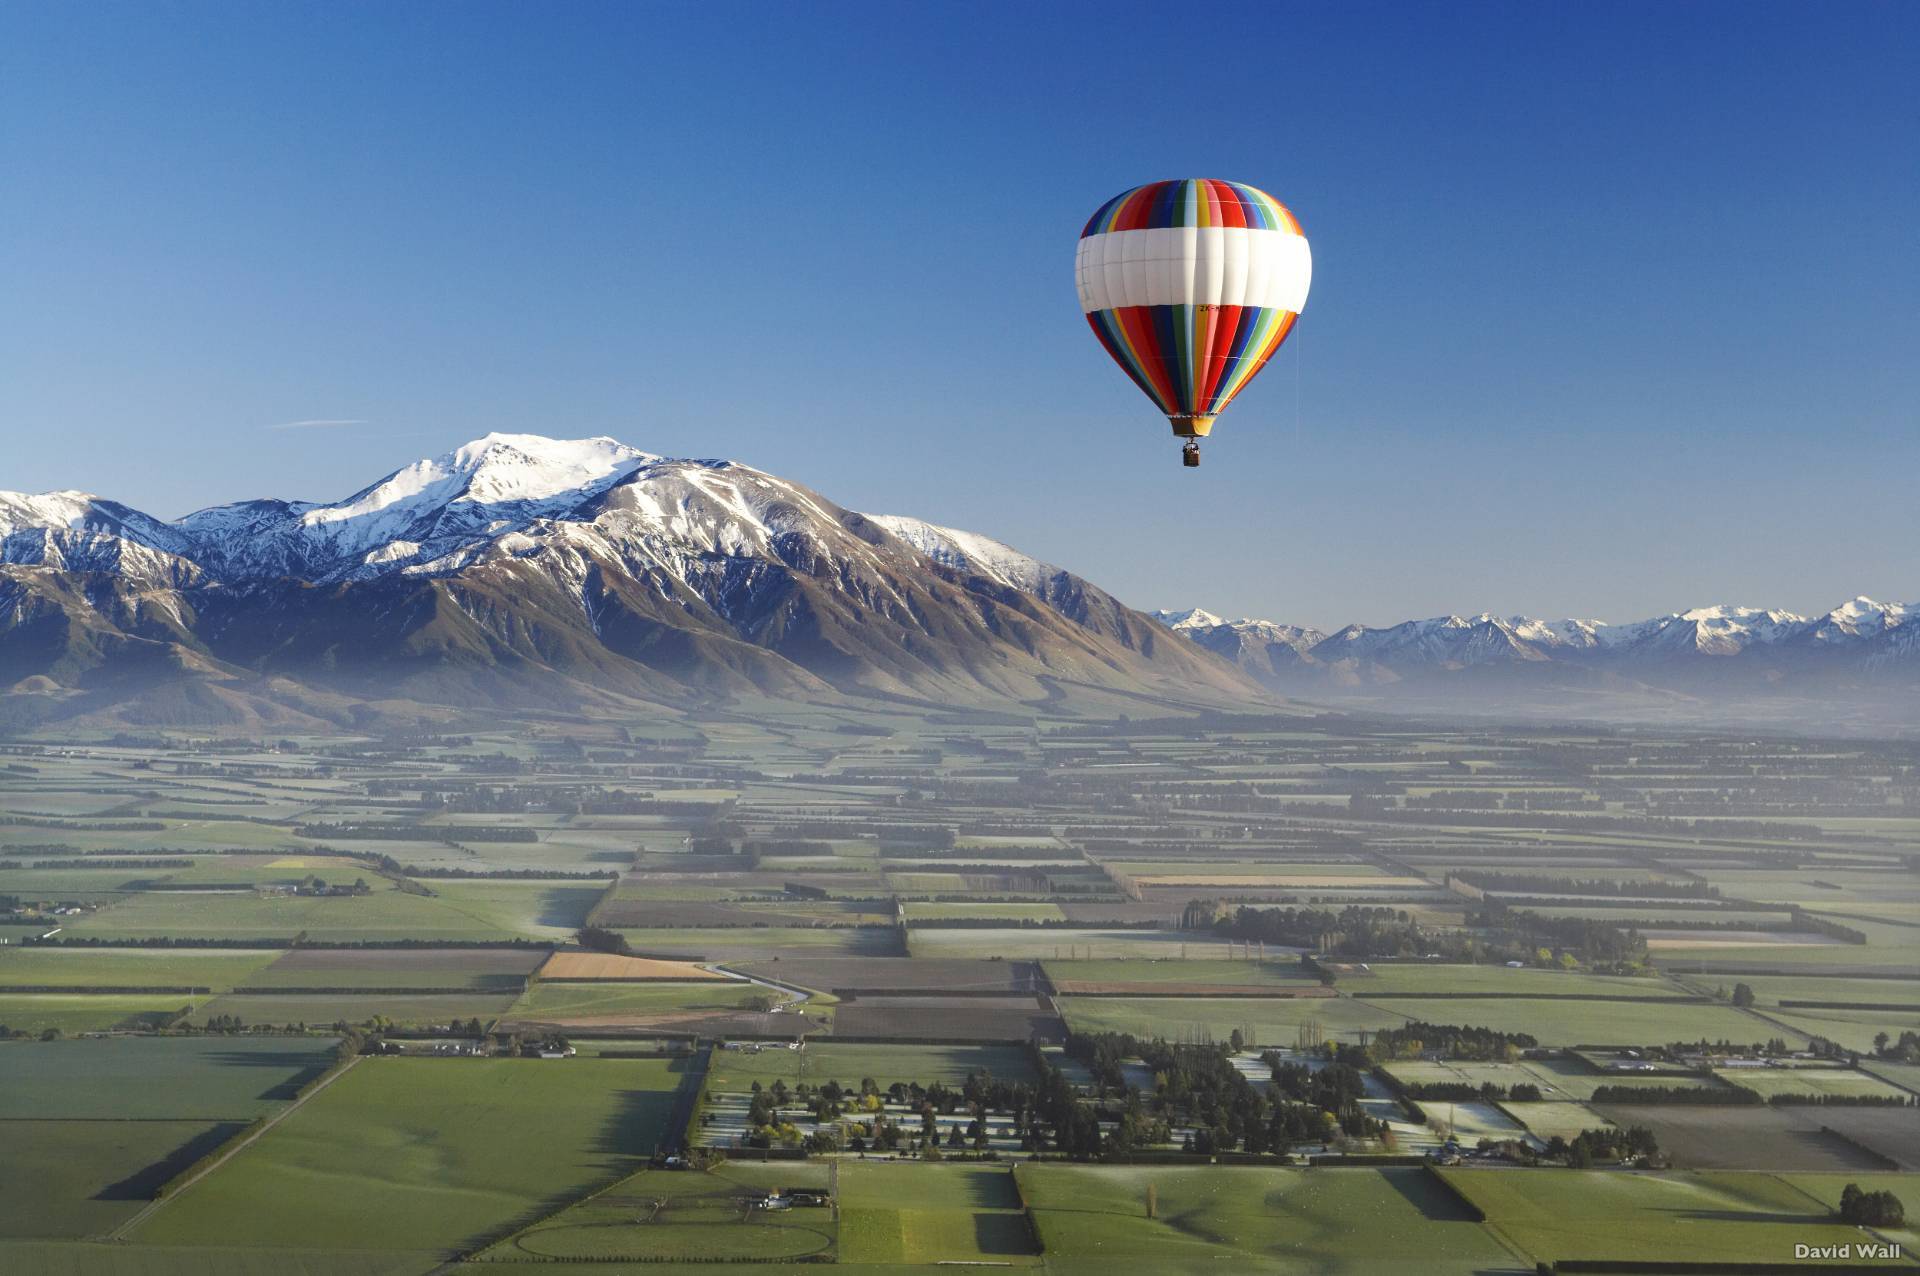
527,571
1861,640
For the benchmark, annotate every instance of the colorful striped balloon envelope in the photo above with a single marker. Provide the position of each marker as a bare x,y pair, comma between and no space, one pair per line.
1191,286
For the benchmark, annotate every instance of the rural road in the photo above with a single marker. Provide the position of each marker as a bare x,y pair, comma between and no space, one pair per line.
121,1232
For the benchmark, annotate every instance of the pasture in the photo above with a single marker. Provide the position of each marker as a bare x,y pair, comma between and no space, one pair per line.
1844,1083
1231,1218
1274,1022
907,1213
849,1064
1562,1022
51,965
435,1155
660,1215
72,1012
77,1178
1719,1216
558,1001
150,1078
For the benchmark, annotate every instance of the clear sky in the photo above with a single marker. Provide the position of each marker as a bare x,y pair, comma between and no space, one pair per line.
1614,306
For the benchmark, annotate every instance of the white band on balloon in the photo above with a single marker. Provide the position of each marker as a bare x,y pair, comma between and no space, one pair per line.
1194,266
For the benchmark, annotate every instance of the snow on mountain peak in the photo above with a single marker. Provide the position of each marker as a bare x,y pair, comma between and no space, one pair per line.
495,469
1190,618
969,551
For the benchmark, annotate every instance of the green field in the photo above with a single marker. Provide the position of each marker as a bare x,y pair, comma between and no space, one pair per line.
1771,990
147,1078
471,969
1013,910
1826,1188
848,1063
1216,1219
1843,1082
1854,1029
914,1213
72,1179
432,1155
1722,1216
1556,1022
406,1009
1272,1023
1057,943
47,966
89,1012
557,1000
666,1214
1391,979
1549,1119
455,911
1283,974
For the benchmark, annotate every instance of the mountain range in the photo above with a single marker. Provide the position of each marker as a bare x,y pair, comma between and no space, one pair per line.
1858,646
543,575
538,575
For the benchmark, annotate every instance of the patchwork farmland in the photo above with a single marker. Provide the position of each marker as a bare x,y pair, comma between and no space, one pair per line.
884,988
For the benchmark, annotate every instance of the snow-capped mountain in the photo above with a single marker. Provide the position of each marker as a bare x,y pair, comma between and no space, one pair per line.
1264,649
1858,637
487,574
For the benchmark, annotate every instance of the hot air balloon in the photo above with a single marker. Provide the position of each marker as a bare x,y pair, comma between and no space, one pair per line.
1191,286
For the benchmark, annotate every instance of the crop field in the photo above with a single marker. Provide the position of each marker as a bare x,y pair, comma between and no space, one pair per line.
1055,944
1853,1029
1403,979
73,1179
441,969
900,975
1279,976
663,1214
1275,1023
1825,1082
933,1213
217,969
1013,910
849,1063
1773,990
1563,1022
147,1078
559,1001
37,1012
1595,1215
746,943
1750,1138
427,1154
609,966
1212,1219
1549,1119
1826,1189
406,1009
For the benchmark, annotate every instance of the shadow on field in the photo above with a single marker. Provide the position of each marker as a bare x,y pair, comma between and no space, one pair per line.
566,907
638,1123
300,1067
992,1190
1745,1216
1433,1198
1003,1234
144,1182
628,1138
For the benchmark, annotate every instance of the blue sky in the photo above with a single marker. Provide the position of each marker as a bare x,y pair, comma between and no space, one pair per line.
1613,307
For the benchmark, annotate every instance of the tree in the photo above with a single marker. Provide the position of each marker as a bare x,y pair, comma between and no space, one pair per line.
1871,1209
1742,995
602,940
